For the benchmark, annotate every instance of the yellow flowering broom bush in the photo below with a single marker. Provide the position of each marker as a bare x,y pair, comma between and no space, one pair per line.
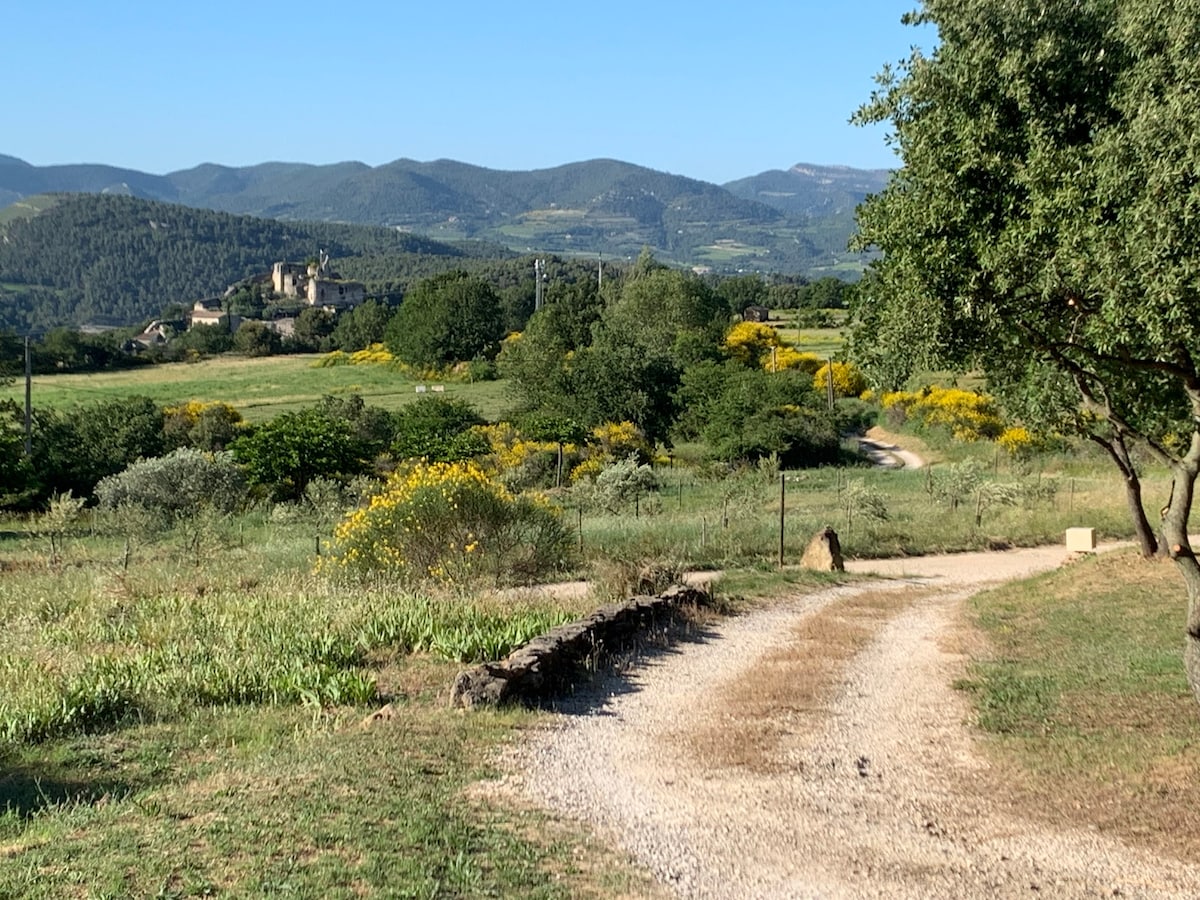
379,355
1018,441
756,345
968,415
618,440
609,443
450,523
207,426
790,358
750,343
848,379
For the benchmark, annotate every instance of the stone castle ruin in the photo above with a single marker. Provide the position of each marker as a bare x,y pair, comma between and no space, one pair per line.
316,285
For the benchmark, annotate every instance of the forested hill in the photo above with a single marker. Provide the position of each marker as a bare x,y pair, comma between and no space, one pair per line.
87,258
597,206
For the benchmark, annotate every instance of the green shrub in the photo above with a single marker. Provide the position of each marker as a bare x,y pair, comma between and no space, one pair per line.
743,414
956,482
618,485
183,483
286,453
438,429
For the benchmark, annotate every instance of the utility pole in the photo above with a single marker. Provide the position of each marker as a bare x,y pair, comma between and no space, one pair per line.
600,272
28,404
782,515
539,273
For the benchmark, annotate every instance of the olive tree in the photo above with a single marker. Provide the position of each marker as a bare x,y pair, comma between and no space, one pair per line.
1045,225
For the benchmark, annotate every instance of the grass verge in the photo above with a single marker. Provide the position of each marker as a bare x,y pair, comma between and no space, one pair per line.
1082,694
274,802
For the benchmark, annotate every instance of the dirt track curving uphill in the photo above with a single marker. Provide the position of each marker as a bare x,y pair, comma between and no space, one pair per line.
817,749
878,447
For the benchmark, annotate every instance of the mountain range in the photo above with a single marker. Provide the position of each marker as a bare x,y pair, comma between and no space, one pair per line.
795,220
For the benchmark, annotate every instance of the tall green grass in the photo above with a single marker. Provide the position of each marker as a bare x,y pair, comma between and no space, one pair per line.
731,519
88,645
140,625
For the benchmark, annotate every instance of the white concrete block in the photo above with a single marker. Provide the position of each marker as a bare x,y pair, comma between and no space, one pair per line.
1081,540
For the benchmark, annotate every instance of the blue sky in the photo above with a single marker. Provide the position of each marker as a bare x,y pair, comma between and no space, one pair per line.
716,91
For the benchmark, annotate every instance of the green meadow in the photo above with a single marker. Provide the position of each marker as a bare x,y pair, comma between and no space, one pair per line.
259,388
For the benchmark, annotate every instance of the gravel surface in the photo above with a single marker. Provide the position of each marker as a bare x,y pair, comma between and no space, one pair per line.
866,800
881,450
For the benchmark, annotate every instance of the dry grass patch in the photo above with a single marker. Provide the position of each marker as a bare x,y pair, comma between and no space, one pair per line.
787,690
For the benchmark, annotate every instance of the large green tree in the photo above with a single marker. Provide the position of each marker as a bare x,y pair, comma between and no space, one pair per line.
360,327
75,449
292,449
670,314
1045,223
592,361
744,414
446,319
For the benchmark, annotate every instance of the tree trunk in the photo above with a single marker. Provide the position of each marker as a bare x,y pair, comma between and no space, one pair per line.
1175,533
1116,448
1141,525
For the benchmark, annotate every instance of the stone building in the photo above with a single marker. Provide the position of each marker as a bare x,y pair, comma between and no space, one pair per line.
316,285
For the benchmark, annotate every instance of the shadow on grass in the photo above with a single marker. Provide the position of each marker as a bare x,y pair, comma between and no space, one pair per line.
27,788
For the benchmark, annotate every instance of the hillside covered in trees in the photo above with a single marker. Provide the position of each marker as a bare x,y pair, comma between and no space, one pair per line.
598,206
117,260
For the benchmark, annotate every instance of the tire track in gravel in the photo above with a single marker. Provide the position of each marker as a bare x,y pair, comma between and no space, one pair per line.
868,796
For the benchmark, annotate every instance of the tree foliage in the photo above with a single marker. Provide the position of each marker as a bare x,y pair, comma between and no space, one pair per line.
438,429
204,426
1045,225
75,449
359,328
292,449
745,414
255,338
597,362
446,319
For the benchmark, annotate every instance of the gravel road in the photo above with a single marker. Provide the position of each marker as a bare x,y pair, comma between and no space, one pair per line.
869,796
878,446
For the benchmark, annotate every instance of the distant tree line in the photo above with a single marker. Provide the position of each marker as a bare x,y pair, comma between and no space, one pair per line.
489,297
647,347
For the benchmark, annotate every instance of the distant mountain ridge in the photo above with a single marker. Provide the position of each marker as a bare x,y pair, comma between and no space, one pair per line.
795,220
811,190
